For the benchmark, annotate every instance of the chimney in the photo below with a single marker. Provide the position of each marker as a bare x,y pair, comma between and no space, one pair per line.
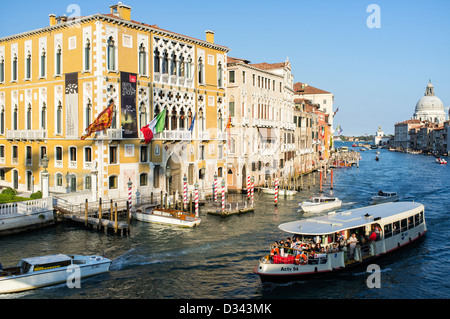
121,11
52,19
209,36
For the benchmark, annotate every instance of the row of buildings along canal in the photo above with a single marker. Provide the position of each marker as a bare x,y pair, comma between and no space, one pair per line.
225,117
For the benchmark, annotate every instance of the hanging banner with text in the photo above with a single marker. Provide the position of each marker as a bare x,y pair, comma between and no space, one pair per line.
72,106
128,106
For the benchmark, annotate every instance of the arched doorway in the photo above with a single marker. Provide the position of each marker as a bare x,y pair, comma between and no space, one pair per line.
173,178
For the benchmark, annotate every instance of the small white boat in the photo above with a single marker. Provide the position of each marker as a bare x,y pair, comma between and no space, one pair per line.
384,197
150,214
319,204
281,192
441,161
36,272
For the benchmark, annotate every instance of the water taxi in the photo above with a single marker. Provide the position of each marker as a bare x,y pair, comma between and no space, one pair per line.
384,197
346,239
320,204
36,272
151,214
281,192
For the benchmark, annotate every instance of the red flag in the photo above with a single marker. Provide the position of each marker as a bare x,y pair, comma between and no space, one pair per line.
103,121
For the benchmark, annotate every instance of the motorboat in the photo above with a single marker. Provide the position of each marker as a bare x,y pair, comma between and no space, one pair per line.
320,204
35,272
374,231
151,214
384,197
440,160
281,192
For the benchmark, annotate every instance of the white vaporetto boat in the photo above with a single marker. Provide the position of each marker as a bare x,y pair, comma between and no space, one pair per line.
281,192
36,272
384,197
150,214
375,231
320,204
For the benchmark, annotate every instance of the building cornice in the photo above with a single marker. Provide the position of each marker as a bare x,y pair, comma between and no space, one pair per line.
118,21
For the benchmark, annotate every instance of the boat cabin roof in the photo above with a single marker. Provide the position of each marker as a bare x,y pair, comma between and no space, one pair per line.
335,222
47,259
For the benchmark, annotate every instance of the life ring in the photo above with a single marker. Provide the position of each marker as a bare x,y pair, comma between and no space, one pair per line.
301,259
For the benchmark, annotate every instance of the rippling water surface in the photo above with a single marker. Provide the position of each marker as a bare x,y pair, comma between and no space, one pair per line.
216,259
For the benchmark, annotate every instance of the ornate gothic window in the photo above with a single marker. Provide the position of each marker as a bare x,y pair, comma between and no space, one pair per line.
111,54
142,60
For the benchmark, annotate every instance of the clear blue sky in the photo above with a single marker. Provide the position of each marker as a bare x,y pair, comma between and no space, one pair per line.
377,75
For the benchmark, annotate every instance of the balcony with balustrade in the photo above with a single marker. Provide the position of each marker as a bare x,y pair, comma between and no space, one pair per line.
26,135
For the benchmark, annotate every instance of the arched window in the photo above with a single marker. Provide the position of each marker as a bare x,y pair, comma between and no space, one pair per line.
174,119
201,79
14,68
157,61
59,118
173,64
2,70
44,117
28,71
88,182
201,118
59,179
29,117
111,54
142,115
87,55
165,63
181,66
2,121
220,75
188,73
87,113
182,120
142,60
58,61
16,118
220,121
43,55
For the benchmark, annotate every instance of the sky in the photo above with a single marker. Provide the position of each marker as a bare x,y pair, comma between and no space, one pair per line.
377,74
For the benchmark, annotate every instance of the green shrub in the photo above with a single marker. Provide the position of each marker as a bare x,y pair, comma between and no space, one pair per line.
36,195
9,191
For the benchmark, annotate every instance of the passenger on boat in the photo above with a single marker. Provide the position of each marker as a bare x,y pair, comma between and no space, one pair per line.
352,243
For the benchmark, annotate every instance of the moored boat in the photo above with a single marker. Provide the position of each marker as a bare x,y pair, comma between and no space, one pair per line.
320,204
372,232
36,272
151,214
281,192
384,197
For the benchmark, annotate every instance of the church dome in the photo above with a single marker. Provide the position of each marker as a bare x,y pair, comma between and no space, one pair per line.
430,107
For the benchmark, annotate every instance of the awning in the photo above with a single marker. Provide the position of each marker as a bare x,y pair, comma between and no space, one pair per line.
7,168
268,134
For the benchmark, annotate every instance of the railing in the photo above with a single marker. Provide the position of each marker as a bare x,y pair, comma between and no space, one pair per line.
26,207
26,135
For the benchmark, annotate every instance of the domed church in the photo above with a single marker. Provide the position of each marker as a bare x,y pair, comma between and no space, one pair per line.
430,107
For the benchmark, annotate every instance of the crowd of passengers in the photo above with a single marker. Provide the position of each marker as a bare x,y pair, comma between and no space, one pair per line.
312,247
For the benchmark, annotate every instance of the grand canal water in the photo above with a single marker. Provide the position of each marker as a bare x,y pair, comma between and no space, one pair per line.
216,260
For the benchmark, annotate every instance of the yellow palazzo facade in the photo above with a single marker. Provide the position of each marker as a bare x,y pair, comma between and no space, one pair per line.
56,80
